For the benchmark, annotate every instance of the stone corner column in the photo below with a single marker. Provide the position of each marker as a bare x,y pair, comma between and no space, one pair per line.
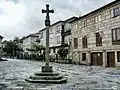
89,58
104,58
116,59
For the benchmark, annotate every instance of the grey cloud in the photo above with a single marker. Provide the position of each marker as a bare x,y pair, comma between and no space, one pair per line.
34,19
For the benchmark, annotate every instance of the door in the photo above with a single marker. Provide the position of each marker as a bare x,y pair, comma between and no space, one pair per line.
97,59
111,59
118,56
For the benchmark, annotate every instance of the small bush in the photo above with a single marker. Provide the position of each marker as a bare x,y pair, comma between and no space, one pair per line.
63,52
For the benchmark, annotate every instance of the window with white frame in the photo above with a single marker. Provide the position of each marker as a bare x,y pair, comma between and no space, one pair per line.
58,40
97,18
41,35
76,26
58,29
51,40
51,31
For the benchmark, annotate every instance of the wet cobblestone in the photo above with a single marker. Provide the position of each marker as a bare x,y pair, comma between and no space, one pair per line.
13,72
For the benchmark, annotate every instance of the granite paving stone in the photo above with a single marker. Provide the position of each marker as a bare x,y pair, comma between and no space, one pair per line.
80,77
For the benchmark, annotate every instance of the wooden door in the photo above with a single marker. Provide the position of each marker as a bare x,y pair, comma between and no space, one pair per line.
111,59
97,59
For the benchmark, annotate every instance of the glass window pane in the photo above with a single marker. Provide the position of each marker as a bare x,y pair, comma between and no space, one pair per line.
75,43
58,39
118,34
96,19
99,18
113,35
116,11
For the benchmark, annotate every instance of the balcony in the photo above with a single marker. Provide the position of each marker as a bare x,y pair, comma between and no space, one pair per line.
66,32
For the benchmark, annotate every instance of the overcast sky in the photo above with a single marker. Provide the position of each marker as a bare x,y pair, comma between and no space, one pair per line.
23,17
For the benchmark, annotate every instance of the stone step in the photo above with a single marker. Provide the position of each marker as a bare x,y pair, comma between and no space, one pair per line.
47,77
63,80
47,74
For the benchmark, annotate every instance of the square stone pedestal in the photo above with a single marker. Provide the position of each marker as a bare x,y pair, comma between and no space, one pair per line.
47,69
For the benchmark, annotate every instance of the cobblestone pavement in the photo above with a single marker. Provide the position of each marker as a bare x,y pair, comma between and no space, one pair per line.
13,72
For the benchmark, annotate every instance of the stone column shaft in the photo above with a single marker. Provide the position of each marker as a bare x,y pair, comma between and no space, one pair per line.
47,47
104,58
88,57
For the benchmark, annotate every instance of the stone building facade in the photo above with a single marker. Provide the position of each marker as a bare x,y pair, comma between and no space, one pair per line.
96,37
42,37
59,33
66,35
28,42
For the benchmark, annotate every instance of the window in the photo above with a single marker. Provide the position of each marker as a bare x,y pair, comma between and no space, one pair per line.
84,42
54,50
51,31
85,23
116,36
97,18
58,29
83,56
76,26
98,39
62,27
75,43
58,40
116,12
41,35
118,55
51,40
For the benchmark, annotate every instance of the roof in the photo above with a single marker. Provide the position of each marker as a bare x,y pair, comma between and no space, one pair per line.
71,19
31,35
41,30
57,23
99,9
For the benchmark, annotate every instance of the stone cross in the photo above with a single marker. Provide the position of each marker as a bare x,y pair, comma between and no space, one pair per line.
47,11
47,24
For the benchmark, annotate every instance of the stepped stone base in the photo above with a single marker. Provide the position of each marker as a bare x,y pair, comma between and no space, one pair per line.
47,76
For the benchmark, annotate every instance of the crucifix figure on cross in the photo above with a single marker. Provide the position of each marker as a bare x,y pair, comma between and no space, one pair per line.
47,11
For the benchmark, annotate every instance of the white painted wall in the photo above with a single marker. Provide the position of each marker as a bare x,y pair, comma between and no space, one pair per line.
53,36
43,40
28,42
